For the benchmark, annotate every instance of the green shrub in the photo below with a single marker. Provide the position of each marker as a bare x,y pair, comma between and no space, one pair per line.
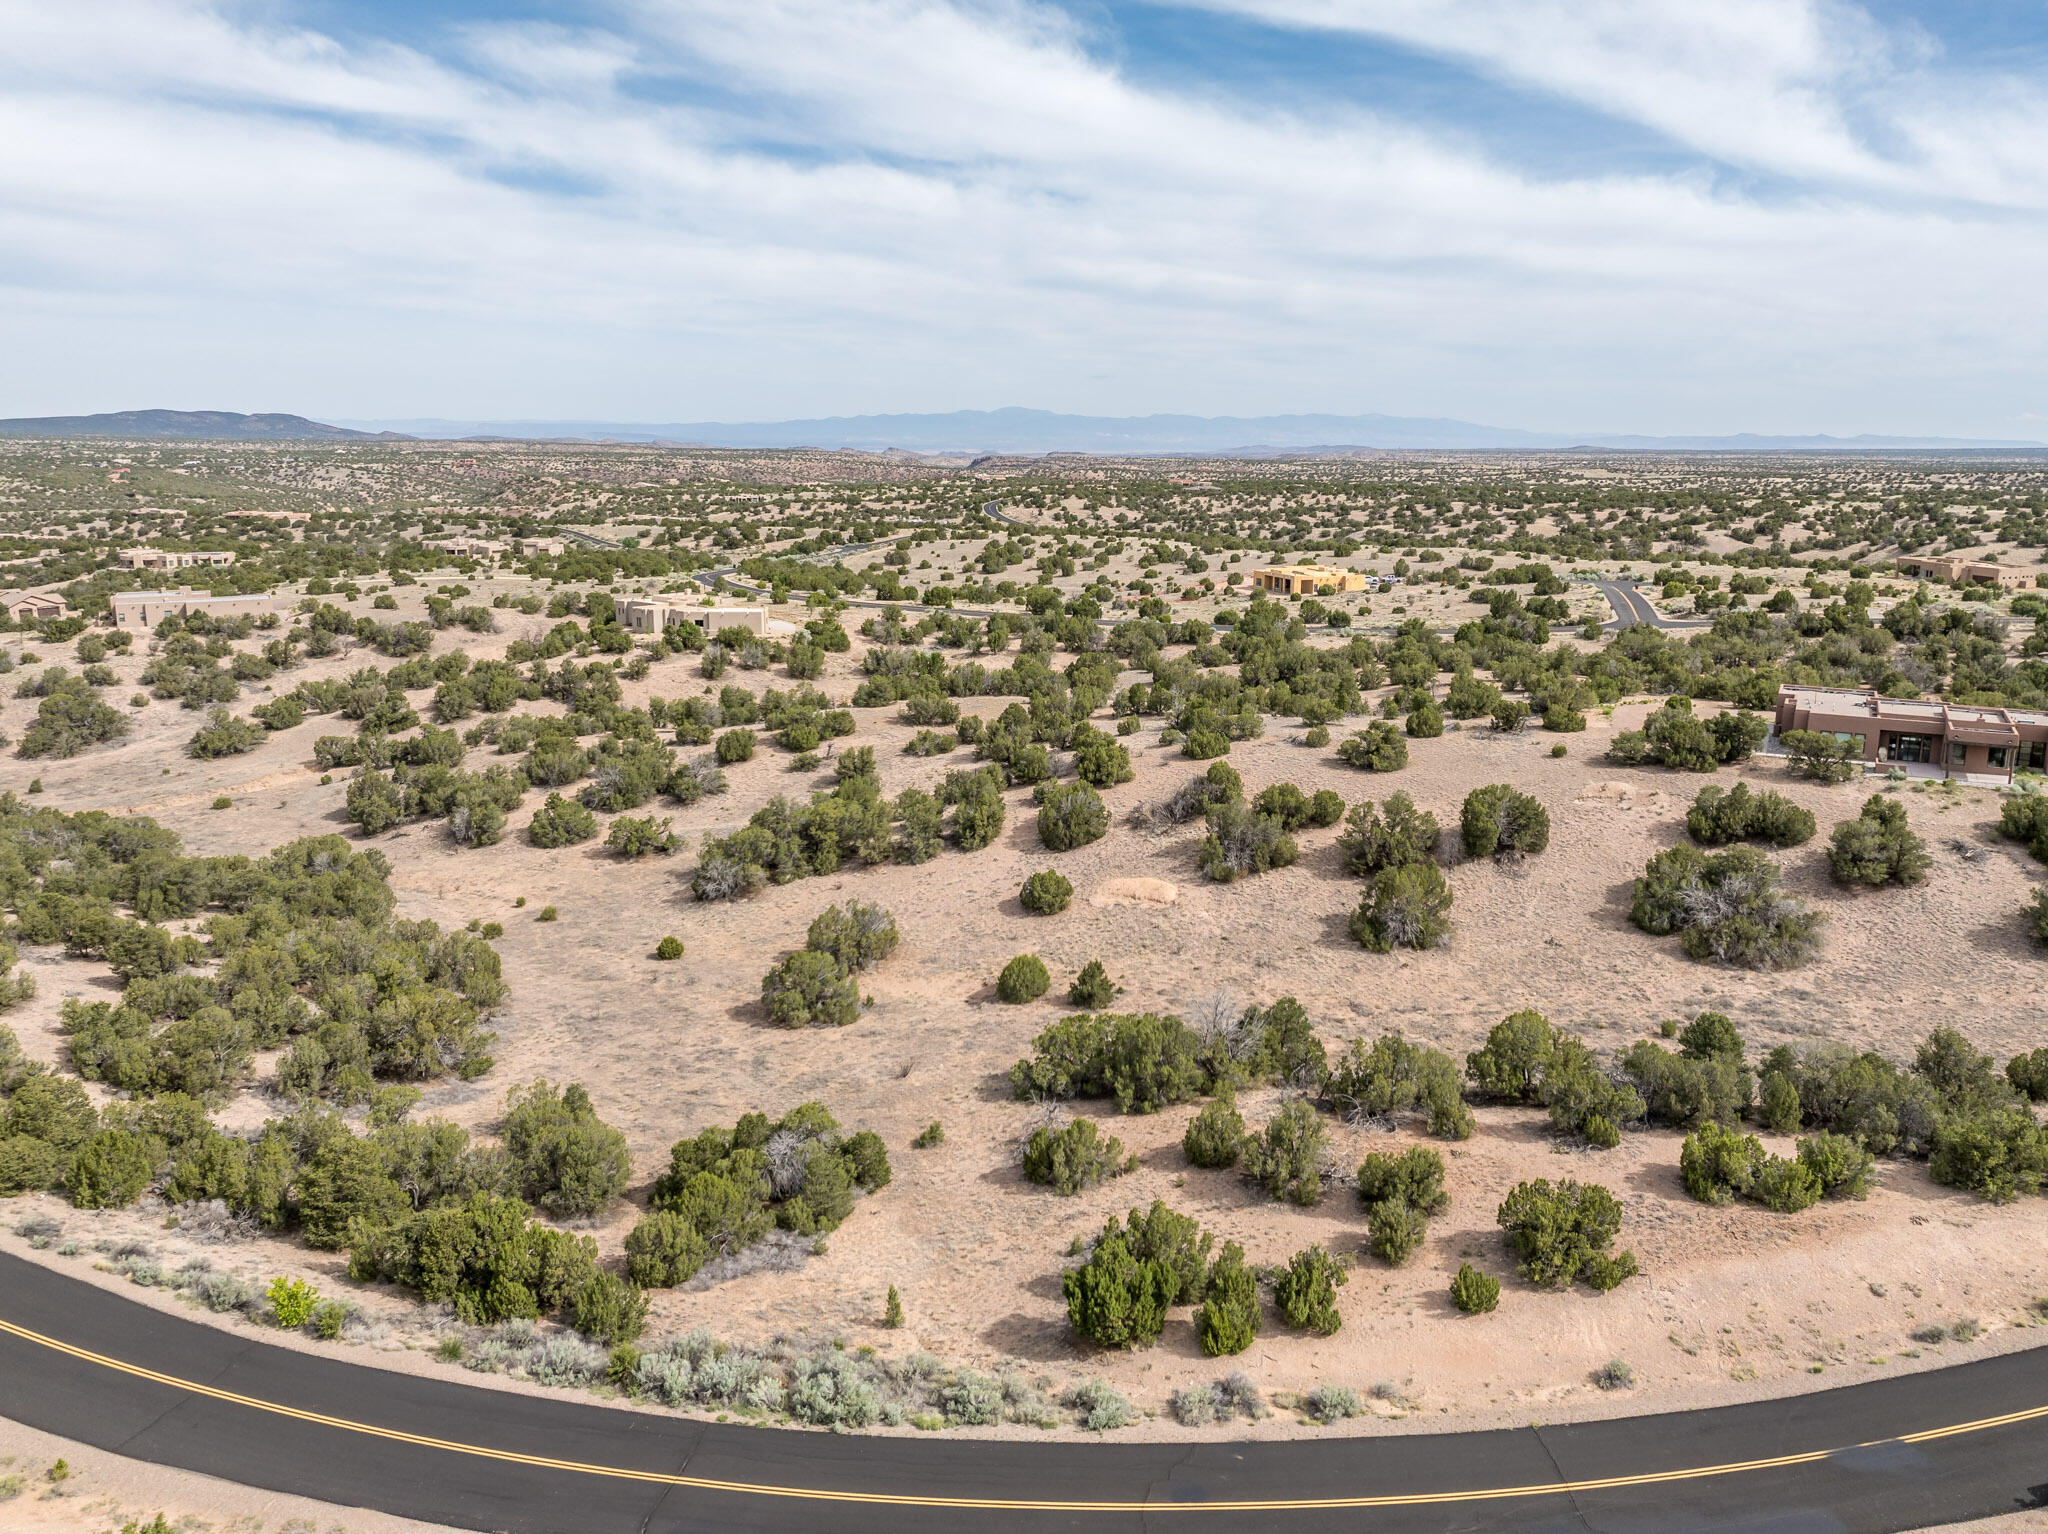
932,1134
1726,907
1393,1076
736,746
1146,1062
1396,1231
224,735
1379,748
1821,757
2024,818
1072,1158
548,913
564,1158
1474,1292
1285,1159
111,1170
1242,842
1229,1317
1425,721
669,948
609,1309
1119,1299
857,935
1414,1178
664,1250
1562,1233
1511,1064
1877,848
292,1301
1023,979
2035,914
1406,907
1091,988
809,989
558,822
1215,1136
1071,815
483,1255
2028,1074
1501,822
1046,893
1719,1164
1305,1291
1374,841
1719,816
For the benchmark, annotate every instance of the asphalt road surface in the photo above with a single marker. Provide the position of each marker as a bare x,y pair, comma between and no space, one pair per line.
1632,607
91,1365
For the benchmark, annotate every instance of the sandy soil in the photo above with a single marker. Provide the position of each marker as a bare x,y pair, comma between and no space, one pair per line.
104,1491
1734,1303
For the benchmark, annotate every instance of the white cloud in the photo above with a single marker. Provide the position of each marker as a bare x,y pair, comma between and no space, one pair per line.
982,213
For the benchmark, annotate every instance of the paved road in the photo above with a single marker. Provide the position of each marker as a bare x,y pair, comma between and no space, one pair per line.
1874,1457
1631,607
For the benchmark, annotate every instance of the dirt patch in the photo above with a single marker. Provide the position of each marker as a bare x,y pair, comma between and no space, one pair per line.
1138,891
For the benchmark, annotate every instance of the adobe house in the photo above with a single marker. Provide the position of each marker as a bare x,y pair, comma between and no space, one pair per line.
1307,580
1987,572
35,606
1968,738
142,611
644,615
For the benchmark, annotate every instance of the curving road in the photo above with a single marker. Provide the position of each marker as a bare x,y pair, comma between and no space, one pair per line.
1631,607
91,1365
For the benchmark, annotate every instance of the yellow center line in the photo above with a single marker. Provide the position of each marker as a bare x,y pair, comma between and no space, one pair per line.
1009,1504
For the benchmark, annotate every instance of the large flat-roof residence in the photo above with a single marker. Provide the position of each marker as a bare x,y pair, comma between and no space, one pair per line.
144,610
174,559
645,615
1307,580
1987,571
1967,739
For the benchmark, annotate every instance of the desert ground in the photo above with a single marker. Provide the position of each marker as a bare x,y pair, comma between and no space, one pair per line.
1733,1303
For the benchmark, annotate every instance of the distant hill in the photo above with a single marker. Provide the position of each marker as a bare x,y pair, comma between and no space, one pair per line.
1015,430
220,425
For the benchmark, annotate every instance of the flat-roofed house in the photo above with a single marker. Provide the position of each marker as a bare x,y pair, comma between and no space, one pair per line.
1969,738
648,615
1307,580
144,610
1988,572
176,559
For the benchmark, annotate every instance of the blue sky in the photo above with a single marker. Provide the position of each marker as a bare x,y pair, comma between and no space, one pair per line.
1572,215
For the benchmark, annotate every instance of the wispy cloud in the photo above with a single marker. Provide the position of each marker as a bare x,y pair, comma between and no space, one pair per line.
736,208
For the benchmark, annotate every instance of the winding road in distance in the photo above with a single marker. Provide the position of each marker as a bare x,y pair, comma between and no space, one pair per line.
91,1365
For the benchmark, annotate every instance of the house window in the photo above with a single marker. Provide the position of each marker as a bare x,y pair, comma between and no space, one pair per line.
1996,755
2029,755
1958,753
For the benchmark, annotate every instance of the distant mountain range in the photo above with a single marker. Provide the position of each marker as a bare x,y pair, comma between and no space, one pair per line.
219,425
1008,431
